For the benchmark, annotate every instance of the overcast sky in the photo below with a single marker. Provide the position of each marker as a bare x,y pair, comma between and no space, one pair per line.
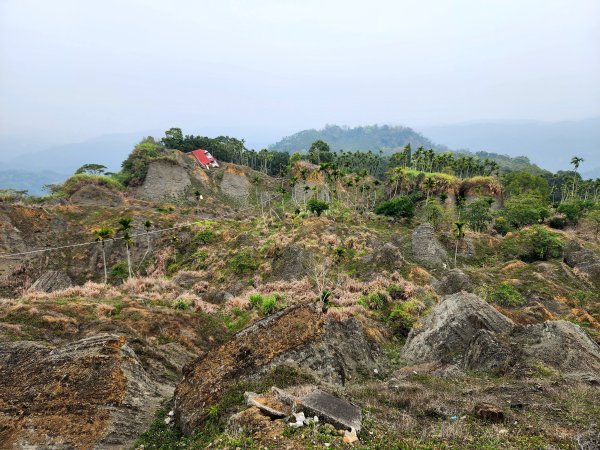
76,69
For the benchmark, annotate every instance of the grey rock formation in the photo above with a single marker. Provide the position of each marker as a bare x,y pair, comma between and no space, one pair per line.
465,330
444,335
292,262
165,181
585,260
301,194
426,249
52,280
561,345
452,282
235,185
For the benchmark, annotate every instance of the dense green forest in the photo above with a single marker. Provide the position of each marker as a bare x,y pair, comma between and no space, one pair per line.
375,138
388,140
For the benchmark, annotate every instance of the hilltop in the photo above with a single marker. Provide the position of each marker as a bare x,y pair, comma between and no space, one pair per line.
388,140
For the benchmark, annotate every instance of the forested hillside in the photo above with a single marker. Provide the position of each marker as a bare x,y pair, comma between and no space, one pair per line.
389,140
374,137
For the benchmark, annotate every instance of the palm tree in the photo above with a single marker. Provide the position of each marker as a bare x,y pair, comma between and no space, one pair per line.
147,225
102,234
575,161
459,231
430,184
125,224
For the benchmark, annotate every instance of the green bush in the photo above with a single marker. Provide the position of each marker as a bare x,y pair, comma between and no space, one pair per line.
135,167
533,244
557,222
523,210
375,301
505,294
404,315
478,215
77,181
204,237
502,226
119,272
317,206
574,210
256,300
181,305
243,262
402,206
267,304
432,212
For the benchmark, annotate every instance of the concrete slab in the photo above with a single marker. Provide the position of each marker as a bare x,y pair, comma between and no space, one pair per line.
331,409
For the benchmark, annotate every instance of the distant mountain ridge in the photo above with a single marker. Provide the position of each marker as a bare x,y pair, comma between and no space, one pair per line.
373,137
550,144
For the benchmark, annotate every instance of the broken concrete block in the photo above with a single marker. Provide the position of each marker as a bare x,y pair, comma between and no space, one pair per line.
330,409
268,406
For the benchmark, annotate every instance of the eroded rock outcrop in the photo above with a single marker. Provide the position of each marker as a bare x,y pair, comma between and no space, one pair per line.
444,335
452,282
52,280
426,249
92,393
333,350
235,183
94,195
466,331
165,180
584,260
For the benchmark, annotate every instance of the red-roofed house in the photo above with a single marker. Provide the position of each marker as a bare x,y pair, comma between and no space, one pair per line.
205,159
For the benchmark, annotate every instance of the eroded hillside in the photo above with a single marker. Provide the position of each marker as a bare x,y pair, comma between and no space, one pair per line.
294,289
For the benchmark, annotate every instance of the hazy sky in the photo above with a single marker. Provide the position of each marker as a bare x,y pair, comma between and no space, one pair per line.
74,69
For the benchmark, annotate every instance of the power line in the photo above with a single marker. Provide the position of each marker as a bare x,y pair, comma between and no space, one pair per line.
83,244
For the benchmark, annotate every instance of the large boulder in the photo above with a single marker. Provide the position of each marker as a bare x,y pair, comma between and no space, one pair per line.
584,260
333,350
426,249
52,280
561,345
445,334
452,282
92,393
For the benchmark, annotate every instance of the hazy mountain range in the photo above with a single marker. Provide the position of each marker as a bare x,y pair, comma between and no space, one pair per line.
27,163
551,145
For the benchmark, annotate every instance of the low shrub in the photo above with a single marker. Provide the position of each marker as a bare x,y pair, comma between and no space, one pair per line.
533,244
502,226
204,237
557,222
317,206
77,181
267,304
404,315
398,207
374,301
506,294
574,210
243,262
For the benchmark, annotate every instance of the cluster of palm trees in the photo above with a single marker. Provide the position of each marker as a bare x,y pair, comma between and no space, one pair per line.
430,161
105,234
